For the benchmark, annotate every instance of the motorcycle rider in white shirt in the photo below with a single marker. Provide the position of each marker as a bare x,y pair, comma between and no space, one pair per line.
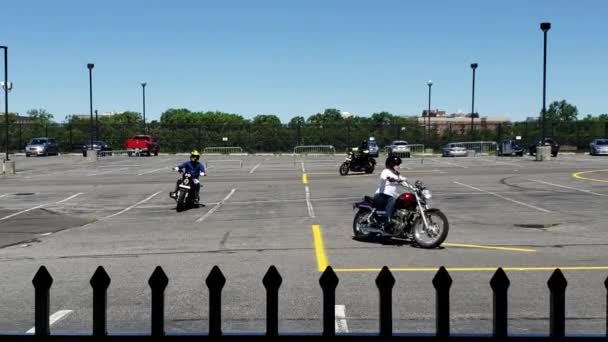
390,180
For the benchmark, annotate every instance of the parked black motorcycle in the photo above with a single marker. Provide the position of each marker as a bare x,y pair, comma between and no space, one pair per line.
412,220
358,163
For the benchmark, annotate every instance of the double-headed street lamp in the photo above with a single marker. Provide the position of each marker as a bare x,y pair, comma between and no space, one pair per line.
143,88
90,66
474,67
7,87
544,27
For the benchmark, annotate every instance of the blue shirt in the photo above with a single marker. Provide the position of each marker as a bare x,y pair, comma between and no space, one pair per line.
193,169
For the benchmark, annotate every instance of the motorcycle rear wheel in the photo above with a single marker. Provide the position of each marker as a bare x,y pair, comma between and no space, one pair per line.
359,220
437,232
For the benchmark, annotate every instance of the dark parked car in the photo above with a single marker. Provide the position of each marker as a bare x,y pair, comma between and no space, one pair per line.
510,148
98,145
544,142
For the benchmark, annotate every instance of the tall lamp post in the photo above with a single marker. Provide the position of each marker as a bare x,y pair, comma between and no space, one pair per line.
6,86
545,27
90,66
474,67
428,113
96,126
143,88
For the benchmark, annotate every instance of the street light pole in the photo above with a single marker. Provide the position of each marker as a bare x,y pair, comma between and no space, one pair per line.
96,126
544,27
143,88
428,113
474,67
6,89
90,66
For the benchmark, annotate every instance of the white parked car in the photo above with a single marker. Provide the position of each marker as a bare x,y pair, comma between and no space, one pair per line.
454,150
598,147
41,147
398,148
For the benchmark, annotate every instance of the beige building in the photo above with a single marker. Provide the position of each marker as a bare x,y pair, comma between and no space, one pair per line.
459,122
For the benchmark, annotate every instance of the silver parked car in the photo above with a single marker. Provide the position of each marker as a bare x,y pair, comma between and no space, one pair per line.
598,147
398,148
41,147
454,150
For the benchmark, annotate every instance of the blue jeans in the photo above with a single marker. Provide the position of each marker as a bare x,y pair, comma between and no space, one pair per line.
389,205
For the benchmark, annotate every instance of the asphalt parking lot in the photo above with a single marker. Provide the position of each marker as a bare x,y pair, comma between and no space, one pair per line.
72,216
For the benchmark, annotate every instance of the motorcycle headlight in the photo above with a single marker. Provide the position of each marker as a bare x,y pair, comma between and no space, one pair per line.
426,194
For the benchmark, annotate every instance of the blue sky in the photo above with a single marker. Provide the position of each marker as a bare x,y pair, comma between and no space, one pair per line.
298,57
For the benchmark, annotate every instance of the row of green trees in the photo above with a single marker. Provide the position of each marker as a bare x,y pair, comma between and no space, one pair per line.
180,130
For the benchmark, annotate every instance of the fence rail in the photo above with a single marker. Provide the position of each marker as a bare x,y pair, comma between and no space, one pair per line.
223,150
328,282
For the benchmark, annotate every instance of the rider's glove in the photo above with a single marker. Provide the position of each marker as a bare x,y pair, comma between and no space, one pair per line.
176,168
203,174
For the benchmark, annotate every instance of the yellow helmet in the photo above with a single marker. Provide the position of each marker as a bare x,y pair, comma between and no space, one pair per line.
195,155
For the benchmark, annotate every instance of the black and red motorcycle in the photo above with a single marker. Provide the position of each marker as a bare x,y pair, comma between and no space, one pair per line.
412,220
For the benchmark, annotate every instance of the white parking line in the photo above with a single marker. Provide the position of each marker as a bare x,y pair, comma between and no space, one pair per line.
311,210
340,313
152,171
106,172
255,167
4,195
34,208
445,162
133,206
567,187
214,209
303,169
69,198
56,317
503,197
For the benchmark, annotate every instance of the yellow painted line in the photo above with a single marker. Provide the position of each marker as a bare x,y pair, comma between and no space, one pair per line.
478,269
304,178
319,248
510,249
578,175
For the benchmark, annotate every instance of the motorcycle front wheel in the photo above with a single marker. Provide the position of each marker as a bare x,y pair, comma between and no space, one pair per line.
344,169
435,234
181,200
369,169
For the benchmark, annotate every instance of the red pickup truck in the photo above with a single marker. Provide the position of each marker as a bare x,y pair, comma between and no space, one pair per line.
142,144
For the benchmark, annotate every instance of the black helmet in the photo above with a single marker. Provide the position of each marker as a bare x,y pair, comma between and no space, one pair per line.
391,161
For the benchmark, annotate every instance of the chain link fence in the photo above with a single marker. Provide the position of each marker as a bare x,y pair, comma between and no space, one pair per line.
259,138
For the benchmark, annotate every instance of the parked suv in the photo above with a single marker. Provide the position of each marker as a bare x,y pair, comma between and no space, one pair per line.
510,148
41,147
544,142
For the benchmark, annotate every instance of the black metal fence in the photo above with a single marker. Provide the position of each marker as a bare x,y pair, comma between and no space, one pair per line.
251,137
328,281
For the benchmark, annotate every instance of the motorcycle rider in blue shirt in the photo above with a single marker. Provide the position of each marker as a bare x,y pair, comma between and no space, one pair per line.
195,169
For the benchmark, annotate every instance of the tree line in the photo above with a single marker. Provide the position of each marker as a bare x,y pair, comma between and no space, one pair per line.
180,130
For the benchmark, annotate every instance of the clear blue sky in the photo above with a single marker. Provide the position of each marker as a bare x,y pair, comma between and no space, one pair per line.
289,57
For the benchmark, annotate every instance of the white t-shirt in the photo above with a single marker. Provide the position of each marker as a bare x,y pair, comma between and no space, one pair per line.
389,188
